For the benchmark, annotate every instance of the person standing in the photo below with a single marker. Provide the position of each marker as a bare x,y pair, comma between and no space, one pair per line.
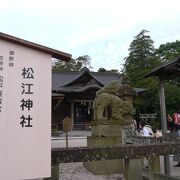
177,121
170,123
176,157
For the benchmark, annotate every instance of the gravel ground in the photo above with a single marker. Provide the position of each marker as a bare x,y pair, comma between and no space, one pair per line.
76,171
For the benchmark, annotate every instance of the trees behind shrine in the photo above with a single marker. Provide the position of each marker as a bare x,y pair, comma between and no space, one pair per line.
74,64
142,58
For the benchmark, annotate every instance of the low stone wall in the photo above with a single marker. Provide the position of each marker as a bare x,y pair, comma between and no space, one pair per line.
159,176
84,154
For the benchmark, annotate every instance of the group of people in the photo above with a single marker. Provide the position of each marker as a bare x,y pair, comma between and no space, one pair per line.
144,129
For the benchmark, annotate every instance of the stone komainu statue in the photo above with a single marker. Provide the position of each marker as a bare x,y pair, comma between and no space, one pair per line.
114,102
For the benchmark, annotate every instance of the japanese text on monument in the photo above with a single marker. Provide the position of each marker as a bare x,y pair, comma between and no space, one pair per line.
1,82
26,103
11,54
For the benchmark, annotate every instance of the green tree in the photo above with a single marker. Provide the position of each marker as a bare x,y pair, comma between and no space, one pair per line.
168,51
102,70
105,70
172,92
73,64
140,60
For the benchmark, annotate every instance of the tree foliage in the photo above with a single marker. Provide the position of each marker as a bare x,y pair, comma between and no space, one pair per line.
168,51
105,70
73,64
141,59
172,92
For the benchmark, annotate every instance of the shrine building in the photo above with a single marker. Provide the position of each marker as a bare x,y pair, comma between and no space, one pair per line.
73,93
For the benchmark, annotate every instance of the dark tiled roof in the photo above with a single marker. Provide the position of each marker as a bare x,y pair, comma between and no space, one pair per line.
78,88
83,72
65,81
107,77
62,78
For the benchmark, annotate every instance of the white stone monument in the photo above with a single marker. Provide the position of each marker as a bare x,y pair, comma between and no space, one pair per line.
25,108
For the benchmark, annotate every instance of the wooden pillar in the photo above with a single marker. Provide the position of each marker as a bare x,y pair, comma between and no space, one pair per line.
162,105
72,113
163,120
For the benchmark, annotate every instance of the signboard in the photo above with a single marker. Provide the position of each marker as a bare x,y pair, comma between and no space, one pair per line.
67,124
25,112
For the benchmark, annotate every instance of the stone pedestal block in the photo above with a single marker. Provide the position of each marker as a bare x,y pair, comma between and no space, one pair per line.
106,130
104,141
154,163
104,166
133,169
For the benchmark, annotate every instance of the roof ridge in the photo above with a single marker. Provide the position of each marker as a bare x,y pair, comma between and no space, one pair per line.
81,73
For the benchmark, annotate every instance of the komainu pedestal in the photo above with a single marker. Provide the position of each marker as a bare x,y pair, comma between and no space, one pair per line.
105,135
113,109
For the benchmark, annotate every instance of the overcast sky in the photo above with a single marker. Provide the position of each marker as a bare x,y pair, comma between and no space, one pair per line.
102,29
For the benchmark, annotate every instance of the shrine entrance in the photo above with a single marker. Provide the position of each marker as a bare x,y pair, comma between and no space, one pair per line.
83,114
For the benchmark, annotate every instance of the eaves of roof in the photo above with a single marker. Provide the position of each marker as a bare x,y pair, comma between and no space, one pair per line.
78,89
55,53
168,70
